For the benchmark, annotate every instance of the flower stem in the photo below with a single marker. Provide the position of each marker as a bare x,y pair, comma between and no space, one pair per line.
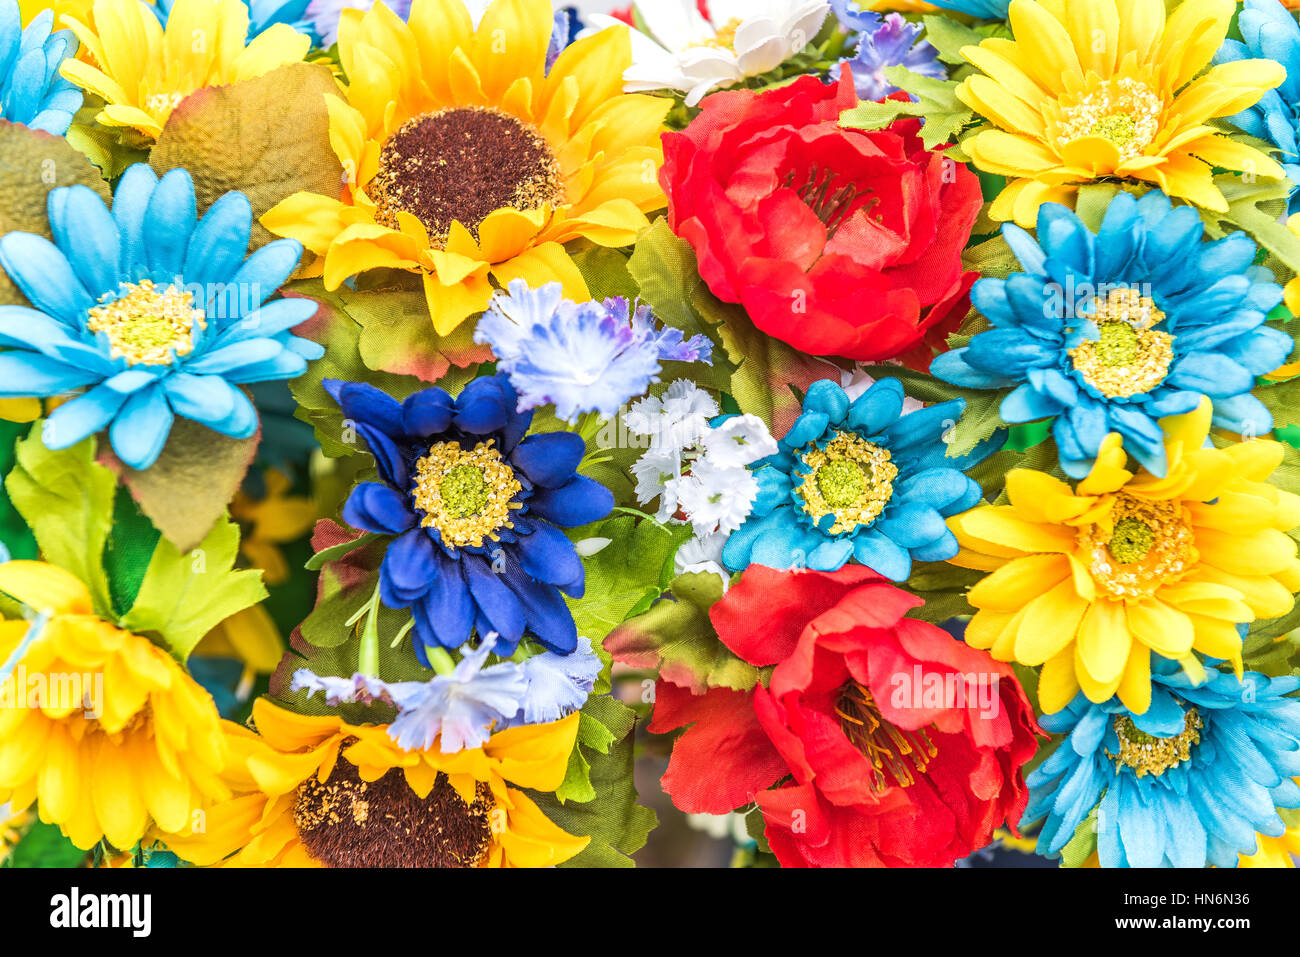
441,661
368,652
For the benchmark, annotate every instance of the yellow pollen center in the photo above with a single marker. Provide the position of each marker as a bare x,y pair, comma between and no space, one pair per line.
466,494
850,479
1124,112
146,325
896,756
1145,544
723,39
1147,754
1129,357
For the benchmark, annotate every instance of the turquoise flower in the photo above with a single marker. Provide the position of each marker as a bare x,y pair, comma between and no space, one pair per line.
1270,32
858,480
154,311
1114,330
1190,782
31,91
262,15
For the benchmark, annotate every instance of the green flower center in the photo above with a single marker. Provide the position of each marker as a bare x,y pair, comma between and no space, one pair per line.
466,494
1147,754
841,482
464,491
148,325
1118,345
850,479
1131,541
1119,128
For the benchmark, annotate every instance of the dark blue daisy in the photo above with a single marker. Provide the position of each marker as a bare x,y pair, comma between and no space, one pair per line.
474,506
1189,782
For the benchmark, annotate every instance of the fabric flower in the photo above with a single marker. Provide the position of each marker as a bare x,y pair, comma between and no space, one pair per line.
1270,32
469,164
891,42
1089,582
1187,783
145,749
858,480
143,70
693,49
849,762
556,685
314,791
263,14
31,91
475,507
1097,89
678,418
1114,331
579,357
154,309
840,242
324,15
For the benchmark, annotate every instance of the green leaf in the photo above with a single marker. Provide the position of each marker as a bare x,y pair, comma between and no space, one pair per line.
35,163
335,552
1283,400
185,595
267,137
676,638
186,491
111,148
619,574
43,845
66,498
1274,648
1083,845
615,822
594,734
945,116
948,36
1256,208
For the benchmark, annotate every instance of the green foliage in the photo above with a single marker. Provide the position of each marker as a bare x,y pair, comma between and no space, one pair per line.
185,595
43,845
946,117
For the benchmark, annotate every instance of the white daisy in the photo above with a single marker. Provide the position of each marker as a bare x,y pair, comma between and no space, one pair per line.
703,553
715,498
692,54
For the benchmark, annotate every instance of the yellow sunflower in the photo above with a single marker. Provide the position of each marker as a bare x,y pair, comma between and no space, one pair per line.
1094,89
143,71
103,729
1088,582
468,162
316,791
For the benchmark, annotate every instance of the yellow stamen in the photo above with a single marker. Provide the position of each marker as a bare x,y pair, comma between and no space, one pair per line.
1131,358
146,326
1147,754
893,753
466,494
850,478
1140,546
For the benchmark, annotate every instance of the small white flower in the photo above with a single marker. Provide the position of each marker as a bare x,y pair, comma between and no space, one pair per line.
675,420
691,54
703,554
715,498
741,440
653,472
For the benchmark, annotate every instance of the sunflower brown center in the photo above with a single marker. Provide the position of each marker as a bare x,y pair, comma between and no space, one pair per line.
347,822
1147,754
147,325
460,165
896,756
1149,543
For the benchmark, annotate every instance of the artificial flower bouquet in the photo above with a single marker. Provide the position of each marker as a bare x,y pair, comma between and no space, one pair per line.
880,422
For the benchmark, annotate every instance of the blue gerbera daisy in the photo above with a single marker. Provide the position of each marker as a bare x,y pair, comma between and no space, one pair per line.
1190,782
474,505
1270,32
157,311
858,480
31,90
1110,332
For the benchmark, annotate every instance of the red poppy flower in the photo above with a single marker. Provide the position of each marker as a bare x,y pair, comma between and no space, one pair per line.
879,740
840,242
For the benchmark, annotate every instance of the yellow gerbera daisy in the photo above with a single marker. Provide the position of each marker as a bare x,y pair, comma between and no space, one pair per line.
143,71
1089,582
1092,89
104,729
1274,851
301,806
468,162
